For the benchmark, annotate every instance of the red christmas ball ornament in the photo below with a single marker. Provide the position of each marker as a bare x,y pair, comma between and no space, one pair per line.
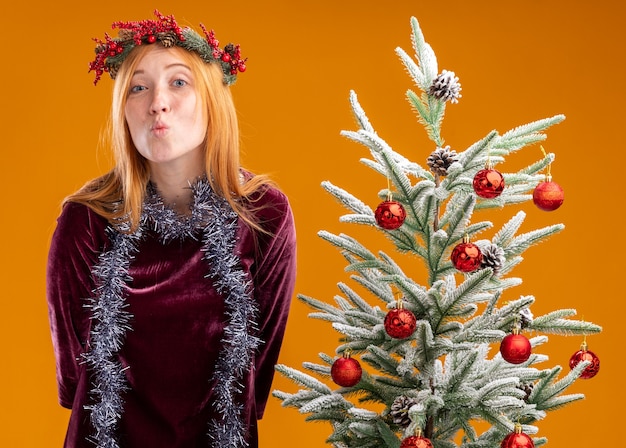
515,348
390,215
517,439
400,323
416,442
488,183
346,371
152,38
466,256
585,355
548,195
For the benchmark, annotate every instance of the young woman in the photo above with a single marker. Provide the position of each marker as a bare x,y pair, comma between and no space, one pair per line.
170,277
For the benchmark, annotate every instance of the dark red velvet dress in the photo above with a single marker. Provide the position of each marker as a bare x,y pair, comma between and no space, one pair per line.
176,328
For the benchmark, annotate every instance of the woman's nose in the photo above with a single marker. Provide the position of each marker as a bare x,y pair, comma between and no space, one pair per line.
160,102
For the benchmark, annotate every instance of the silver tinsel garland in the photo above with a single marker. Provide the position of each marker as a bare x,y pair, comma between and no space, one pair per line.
214,221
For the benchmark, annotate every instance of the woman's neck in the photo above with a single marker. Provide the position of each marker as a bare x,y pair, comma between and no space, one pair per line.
173,187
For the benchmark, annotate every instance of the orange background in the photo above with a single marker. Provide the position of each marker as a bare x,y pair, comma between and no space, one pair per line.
517,61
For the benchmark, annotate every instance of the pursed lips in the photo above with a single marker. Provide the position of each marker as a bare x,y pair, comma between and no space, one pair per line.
159,128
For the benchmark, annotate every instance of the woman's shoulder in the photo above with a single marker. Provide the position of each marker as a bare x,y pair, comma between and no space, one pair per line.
265,193
79,212
271,196
268,201
269,206
77,220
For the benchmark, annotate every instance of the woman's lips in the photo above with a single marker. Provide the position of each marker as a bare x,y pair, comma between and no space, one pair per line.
159,129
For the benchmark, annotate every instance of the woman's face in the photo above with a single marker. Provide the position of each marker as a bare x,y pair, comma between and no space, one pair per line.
166,124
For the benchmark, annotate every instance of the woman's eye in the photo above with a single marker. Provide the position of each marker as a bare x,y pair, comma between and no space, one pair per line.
135,89
180,83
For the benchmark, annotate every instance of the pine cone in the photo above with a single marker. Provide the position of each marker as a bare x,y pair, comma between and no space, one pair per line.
526,317
527,388
440,160
125,34
112,69
493,257
400,410
446,87
167,39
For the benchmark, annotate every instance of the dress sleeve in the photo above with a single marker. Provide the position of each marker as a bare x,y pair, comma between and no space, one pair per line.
76,242
274,286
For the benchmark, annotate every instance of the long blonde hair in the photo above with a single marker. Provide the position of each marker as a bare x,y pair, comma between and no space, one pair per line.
120,193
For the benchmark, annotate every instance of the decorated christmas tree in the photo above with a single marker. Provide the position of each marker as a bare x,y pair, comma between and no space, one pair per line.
448,363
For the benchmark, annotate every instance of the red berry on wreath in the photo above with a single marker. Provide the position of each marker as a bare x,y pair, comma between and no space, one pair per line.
488,183
585,355
466,256
515,348
517,439
390,215
548,195
346,371
400,323
416,442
